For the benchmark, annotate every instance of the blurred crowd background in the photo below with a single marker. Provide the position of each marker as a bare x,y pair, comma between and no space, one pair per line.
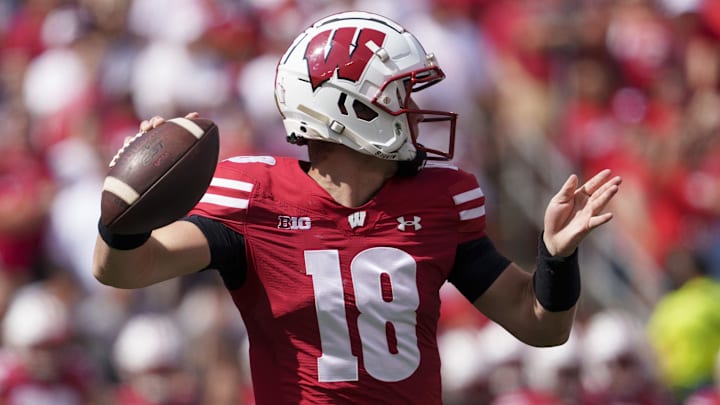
543,87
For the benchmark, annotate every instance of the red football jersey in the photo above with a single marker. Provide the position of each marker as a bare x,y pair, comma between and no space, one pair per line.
342,304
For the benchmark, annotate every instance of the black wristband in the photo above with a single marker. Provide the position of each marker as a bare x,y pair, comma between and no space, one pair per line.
121,242
556,279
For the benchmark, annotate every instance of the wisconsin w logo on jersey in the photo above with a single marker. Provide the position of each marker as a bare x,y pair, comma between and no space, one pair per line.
357,219
344,50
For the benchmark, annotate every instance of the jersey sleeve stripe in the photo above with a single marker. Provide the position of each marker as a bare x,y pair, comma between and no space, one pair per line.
231,184
268,160
470,195
225,201
473,213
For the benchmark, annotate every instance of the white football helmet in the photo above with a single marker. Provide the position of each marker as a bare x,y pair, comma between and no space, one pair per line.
148,342
348,79
35,317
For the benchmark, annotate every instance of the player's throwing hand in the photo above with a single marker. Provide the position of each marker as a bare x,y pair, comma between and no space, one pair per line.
575,211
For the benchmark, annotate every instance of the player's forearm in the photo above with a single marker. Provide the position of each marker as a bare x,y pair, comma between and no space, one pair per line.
122,268
555,287
512,302
539,326
553,328
174,250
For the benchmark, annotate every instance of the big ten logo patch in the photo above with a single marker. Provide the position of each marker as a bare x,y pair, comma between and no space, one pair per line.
288,222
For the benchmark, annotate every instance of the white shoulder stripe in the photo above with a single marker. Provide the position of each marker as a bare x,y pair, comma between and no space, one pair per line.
470,195
225,201
231,184
473,213
268,160
434,164
189,126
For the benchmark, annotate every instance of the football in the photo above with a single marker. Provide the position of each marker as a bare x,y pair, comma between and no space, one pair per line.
159,175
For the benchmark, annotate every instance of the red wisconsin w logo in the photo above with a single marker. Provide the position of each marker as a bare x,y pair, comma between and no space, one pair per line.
350,64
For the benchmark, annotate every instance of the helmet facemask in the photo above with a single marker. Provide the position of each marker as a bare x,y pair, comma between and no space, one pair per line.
412,82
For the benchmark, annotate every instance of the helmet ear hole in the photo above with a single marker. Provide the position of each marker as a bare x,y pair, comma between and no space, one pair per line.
341,103
363,112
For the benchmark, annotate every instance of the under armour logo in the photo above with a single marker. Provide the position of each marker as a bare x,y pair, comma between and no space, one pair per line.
357,219
415,223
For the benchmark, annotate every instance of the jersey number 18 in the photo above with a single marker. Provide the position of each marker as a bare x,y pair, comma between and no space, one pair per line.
337,363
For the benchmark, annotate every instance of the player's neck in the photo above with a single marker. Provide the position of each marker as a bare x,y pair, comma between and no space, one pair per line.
351,178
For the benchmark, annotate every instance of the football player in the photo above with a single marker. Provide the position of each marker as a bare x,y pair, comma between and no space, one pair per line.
336,263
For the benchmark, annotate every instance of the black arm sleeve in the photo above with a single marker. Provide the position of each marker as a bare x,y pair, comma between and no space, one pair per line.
477,265
227,250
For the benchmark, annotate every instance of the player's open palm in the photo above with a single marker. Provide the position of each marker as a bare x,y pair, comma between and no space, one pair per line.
576,210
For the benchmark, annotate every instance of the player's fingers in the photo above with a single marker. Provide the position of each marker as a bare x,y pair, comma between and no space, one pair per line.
156,120
598,203
145,126
193,114
602,195
599,220
151,123
567,189
595,182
